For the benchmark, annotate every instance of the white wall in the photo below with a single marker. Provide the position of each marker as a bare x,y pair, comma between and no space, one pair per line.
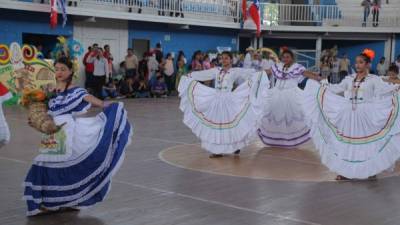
102,32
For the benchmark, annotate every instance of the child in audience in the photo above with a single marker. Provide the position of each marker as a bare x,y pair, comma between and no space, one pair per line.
110,90
159,88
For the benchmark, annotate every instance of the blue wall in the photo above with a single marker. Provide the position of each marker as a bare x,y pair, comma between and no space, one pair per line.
354,48
173,40
14,23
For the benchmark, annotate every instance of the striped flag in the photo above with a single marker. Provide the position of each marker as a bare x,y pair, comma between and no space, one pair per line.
255,15
61,3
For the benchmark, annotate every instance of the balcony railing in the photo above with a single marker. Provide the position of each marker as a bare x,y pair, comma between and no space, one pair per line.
291,14
229,11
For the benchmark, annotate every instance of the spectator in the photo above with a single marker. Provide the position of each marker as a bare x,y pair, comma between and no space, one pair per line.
135,3
126,88
181,71
181,55
159,89
335,70
110,59
197,61
168,69
163,5
121,71
179,8
142,89
39,53
110,90
89,68
376,5
366,4
344,65
159,53
153,66
393,72
144,66
214,63
99,73
206,62
131,64
381,67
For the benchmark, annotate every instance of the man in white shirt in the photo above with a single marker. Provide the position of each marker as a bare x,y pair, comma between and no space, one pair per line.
100,73
381,68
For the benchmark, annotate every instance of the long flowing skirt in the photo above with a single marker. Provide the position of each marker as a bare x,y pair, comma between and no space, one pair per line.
84,178
224,121
283,123
355,141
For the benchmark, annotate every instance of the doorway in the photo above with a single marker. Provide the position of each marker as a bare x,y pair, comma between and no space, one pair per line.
140,46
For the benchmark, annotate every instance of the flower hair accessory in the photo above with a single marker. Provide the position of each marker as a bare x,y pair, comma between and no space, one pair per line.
369,53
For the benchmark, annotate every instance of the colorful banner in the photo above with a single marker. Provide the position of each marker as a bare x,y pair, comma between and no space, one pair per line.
20,68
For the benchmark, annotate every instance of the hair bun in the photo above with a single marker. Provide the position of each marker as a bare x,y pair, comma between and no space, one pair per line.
369,53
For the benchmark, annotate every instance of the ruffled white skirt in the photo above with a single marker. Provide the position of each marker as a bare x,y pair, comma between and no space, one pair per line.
355,141
223,121
283,123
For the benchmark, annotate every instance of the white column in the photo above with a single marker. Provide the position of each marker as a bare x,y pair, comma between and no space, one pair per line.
318,50
255,42
387,52
393,50
261,42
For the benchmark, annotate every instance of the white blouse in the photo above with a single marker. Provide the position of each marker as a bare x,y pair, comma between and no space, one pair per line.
223,80
372,87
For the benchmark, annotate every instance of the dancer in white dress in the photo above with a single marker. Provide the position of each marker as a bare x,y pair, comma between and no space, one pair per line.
283,122
355,125
224,120
4,130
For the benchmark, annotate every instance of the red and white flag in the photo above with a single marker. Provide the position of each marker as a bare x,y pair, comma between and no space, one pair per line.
254,11
53,13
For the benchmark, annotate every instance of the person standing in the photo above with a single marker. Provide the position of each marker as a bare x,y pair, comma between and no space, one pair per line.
376,5
100,72
344,64
131,64
109,57
159,53
89,67
381,68
366,4
144,66
169,71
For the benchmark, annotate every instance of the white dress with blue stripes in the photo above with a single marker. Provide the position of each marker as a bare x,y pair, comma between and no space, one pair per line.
75,165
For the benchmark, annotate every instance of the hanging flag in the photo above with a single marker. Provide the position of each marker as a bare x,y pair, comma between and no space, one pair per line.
244,9
53,13
61,3
254,11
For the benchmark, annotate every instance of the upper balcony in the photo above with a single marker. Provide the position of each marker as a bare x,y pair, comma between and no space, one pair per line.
345,16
